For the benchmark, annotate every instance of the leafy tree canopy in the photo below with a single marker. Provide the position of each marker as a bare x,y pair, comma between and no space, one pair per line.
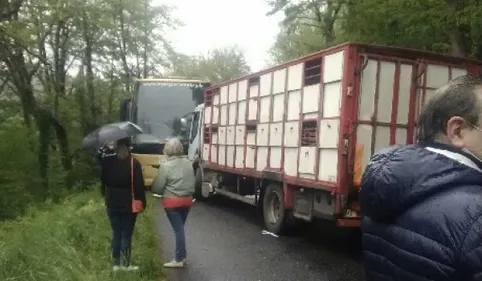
447,26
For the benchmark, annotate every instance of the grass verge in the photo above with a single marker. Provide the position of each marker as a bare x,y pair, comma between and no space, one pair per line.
71,241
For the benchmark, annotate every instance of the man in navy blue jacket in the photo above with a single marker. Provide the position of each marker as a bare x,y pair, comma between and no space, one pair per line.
422,203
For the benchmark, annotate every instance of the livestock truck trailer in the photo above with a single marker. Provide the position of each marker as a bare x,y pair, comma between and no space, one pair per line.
294,139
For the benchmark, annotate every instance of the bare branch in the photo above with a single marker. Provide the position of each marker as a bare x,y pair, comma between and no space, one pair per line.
4,83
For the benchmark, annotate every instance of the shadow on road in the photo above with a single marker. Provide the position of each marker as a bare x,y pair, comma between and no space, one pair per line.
325,237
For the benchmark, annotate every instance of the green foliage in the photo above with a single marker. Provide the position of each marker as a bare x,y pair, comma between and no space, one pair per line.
296,43
308,26
218,65
16,183
411,24
20,180
71,241
64,66
444,26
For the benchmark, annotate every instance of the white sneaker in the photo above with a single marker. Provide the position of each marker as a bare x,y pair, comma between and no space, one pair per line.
116,268
175,264
131,268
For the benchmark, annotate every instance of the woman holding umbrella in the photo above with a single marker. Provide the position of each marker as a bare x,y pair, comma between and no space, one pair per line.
123,184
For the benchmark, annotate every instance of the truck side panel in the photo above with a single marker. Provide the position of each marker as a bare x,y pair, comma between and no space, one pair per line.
286,120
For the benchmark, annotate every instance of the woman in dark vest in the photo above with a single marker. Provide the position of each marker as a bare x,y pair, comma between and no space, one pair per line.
122,179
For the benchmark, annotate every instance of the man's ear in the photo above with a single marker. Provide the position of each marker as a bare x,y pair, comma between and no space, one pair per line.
454,133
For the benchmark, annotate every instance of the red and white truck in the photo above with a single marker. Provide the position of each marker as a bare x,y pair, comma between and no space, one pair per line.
294,139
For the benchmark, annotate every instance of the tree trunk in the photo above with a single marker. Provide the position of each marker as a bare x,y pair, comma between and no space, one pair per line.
46,121
43,153
80,97
459,44
122,42
110,101
460,47
88,40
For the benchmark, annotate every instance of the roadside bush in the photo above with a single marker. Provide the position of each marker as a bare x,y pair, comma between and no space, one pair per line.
71,241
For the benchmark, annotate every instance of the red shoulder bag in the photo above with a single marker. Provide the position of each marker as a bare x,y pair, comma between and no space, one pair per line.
137,205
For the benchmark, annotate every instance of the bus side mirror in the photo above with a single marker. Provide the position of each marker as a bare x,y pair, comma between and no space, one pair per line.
125,108
184,124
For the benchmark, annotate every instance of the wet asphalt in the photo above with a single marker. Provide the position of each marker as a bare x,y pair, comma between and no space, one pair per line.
225,243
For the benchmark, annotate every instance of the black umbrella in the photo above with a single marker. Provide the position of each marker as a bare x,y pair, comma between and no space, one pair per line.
110,132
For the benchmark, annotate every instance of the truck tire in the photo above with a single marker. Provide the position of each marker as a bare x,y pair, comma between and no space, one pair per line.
274,213
198,193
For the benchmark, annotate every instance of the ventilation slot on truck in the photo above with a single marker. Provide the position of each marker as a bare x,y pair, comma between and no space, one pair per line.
208,98
208,134
253,81
253,92
253,87
308,133
251,127
312,72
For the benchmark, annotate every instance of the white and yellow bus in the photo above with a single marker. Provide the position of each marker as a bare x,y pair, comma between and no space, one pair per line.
157,106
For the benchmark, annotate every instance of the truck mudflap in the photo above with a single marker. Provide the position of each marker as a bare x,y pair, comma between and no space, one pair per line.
349,222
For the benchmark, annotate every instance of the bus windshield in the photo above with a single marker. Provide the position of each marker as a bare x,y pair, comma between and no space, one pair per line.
159,103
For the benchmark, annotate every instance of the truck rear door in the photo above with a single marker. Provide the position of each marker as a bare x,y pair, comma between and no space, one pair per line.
392,91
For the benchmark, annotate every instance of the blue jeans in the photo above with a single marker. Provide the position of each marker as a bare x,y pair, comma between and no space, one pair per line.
122,224
177,217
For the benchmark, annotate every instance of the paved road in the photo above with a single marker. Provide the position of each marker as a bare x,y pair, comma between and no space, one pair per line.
224,243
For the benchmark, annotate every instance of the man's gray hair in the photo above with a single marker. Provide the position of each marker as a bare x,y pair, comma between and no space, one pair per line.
456,98
173,147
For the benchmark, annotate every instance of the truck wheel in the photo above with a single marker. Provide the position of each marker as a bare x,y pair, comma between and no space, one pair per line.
198,193
274,212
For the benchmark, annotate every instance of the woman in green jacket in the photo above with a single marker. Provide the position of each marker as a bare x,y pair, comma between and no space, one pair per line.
175,182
